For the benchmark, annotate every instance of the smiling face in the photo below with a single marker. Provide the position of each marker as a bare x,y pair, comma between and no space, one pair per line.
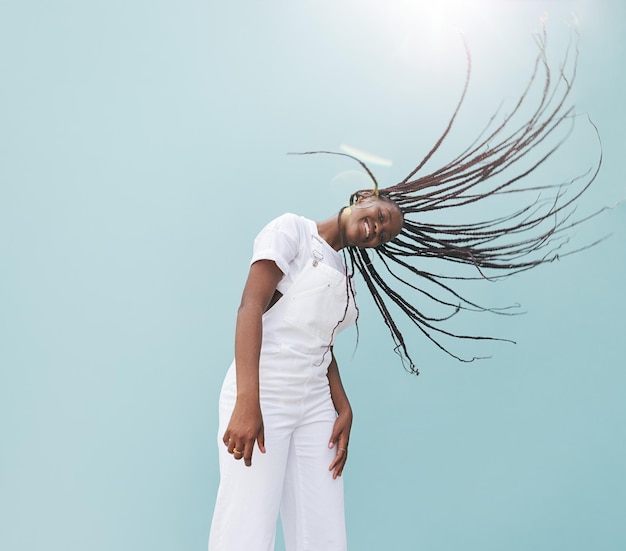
371,222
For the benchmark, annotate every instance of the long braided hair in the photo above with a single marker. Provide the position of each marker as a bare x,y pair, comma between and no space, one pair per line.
534,232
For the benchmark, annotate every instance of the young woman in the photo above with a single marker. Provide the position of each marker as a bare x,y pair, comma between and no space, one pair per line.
284,416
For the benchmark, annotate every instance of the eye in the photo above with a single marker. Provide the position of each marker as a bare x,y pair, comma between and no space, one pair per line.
380,215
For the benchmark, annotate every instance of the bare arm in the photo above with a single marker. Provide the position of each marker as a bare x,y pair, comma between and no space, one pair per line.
246,422
343,424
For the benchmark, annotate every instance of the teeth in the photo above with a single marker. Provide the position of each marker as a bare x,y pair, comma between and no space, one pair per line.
367,230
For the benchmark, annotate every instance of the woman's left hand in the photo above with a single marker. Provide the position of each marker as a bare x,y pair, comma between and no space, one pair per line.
339,440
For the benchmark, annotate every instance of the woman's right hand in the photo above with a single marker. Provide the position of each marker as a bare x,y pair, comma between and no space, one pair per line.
244,429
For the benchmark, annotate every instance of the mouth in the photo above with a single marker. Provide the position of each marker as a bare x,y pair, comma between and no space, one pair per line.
368,229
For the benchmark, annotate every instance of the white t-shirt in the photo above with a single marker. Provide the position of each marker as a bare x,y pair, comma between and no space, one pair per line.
287,240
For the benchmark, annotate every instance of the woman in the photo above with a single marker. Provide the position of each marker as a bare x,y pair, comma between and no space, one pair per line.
283,396
283,391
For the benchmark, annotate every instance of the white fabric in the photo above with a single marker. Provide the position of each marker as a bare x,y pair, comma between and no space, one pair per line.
292,475
287,241
298,416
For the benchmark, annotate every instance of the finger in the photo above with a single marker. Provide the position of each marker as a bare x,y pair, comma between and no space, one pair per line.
339,457
333,438
338,462
261,440
230,445
238,452
247,454
342,449
338,471
226,439
335,463
342,440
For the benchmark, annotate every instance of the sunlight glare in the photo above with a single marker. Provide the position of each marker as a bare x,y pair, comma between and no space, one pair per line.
365,156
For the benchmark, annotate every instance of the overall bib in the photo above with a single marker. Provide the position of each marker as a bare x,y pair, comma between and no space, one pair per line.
298,418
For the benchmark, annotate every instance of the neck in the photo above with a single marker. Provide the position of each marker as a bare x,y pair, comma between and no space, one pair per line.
330,230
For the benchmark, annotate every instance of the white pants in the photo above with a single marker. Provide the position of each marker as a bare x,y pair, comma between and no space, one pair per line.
292,475
298,417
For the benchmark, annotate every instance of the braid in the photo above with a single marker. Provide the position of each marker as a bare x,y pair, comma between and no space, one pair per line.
536,231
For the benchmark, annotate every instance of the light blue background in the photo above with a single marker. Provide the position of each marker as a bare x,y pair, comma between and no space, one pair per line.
142,147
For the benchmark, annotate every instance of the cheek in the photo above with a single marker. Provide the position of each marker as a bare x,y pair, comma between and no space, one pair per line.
398,229
354,231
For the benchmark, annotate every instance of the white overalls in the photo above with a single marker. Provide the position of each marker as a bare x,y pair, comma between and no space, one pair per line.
298,417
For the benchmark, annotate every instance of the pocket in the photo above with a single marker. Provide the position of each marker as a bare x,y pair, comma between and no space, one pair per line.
301,292
317,311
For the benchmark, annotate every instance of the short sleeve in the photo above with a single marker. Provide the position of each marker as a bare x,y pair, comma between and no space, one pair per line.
278,241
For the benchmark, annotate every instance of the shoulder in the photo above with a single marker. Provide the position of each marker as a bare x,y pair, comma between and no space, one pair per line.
282,240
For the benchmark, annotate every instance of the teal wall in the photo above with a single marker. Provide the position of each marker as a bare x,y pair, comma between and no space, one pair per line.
142,147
